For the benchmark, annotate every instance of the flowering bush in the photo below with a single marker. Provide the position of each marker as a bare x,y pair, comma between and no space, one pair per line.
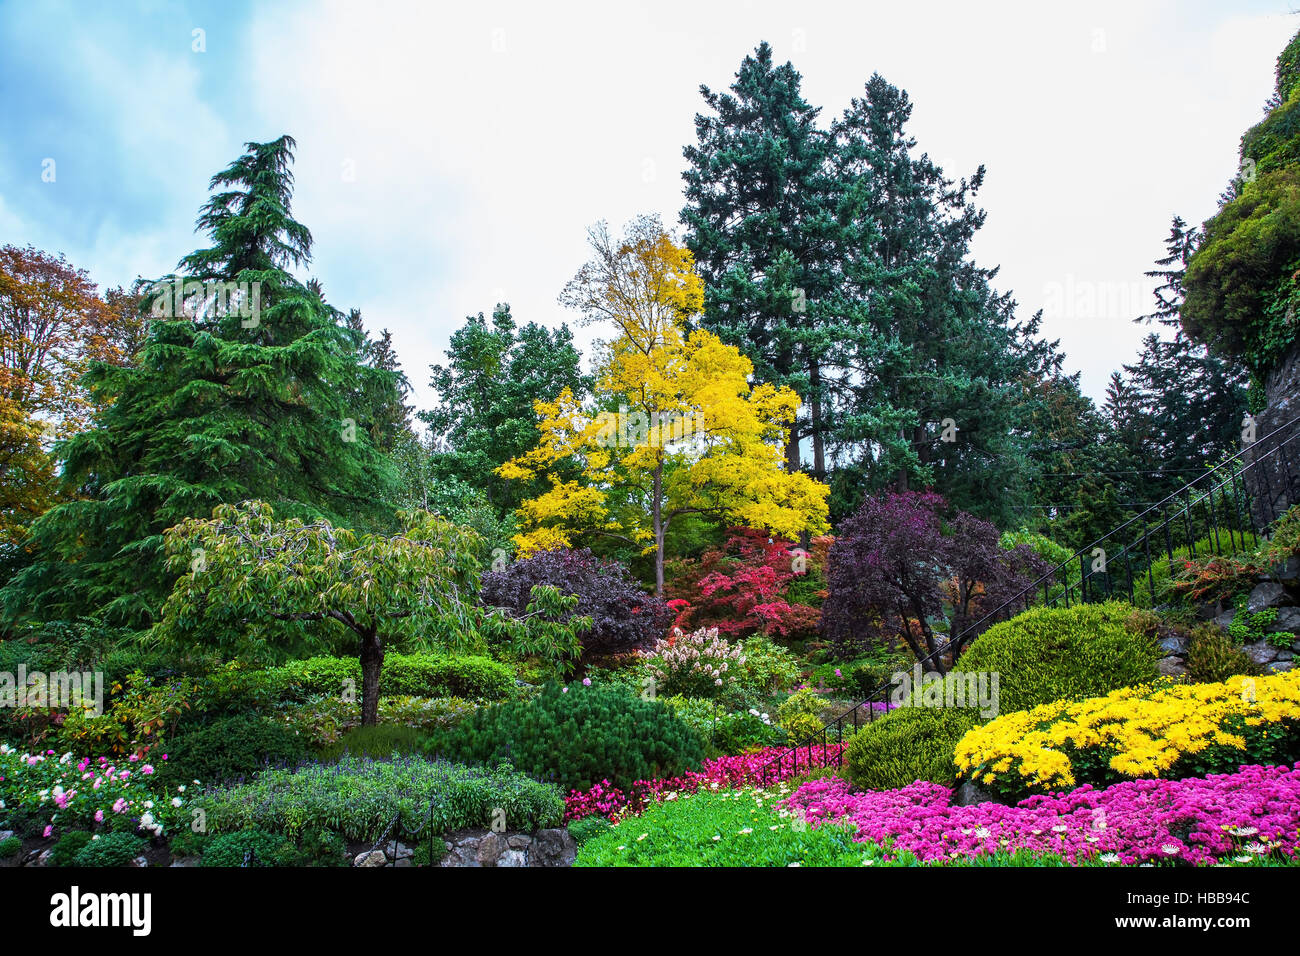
721,773
753,585
1144,731
1239,817
699,664
46,792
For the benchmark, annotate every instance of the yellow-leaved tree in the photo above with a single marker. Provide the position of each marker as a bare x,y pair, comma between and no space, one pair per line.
674,428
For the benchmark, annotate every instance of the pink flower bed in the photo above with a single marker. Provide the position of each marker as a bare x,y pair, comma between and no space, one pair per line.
1191,820
721,773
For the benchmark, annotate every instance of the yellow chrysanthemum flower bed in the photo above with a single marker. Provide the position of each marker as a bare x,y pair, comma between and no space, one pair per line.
1134,732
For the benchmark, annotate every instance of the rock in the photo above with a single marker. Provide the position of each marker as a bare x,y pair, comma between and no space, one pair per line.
1174,645
5,834
513,858
1168,667
397,851
403,861
140,861
969,793
1288,572
370,858
40,859
1288,619
554,847
518,841
1269,493
1264,596
1261,652
184,861
1224,620
490,848
1279,667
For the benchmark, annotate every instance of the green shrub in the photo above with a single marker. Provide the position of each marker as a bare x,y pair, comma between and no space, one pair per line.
231,849
186,842
379,741
588,827
358,798
800,715
414,675
1047,654
1212,657
228,749
906,745
11,846
66,850
1042,655
110,849
322,847
576,737
768,668
722,731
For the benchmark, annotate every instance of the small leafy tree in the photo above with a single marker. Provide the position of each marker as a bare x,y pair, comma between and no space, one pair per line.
249,583
745,587
624,617
897,567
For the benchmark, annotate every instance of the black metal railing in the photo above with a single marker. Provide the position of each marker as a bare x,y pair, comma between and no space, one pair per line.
1224,511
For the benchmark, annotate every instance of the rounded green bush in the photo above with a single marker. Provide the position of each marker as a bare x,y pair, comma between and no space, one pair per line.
1042,655
230,849
1048,654
229,748
110,849
10,846
576,737
66,850
907,745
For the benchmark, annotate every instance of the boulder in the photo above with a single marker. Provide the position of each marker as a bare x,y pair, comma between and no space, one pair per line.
5,834
1170,667
969,793
518,841
1266,595
1286,572
1279,667
553,847
370,858
1288,619
1261,652
1174,645
1224,620
490,848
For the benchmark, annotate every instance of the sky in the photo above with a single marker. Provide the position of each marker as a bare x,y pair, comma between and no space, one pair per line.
451,156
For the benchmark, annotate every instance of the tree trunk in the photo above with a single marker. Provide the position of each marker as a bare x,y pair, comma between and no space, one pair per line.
815,405
372,665
657,511
792,448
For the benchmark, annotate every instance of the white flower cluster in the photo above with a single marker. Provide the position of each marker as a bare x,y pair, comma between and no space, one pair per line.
699,655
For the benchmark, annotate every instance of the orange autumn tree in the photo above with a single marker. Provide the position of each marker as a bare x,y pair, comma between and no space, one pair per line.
52,325
675,427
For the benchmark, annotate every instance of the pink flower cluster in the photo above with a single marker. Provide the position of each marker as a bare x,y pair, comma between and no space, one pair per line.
721,773
1241,815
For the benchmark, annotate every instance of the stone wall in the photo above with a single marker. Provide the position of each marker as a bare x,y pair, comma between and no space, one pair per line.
550,847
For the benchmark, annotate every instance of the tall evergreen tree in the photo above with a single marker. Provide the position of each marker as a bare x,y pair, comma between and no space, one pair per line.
760,222
484,415
940,364
222,404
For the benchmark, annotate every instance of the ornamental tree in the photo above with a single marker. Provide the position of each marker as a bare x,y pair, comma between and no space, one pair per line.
265,400
897,567
252,586
745,587
675,427
623,616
